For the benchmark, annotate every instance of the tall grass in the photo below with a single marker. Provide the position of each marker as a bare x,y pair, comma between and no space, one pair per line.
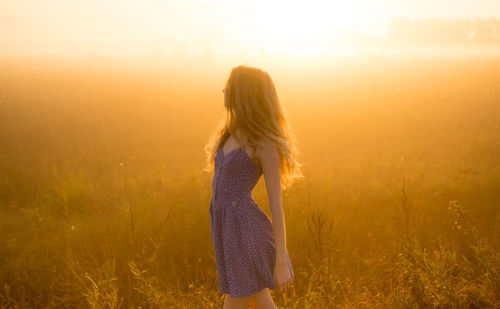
104,204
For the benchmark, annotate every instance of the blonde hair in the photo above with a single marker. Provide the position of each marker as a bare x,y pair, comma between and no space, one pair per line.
253,108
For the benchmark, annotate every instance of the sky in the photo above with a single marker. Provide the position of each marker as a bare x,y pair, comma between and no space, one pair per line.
204,27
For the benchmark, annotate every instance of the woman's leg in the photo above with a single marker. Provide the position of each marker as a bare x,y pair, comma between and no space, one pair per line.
236,303
259,300
263,300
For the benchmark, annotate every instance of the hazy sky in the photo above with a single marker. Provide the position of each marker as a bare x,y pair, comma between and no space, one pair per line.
187,26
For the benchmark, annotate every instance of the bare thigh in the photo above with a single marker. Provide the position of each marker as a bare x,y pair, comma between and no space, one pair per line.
259,300
236,303
263,300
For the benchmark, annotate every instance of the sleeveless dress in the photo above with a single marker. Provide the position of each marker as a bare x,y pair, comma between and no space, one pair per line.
242,233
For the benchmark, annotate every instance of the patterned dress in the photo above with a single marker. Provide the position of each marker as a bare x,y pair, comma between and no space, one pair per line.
242,233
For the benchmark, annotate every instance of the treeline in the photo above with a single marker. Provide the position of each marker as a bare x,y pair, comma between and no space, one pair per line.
442,31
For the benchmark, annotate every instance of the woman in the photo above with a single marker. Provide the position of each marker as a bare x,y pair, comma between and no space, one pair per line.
250,250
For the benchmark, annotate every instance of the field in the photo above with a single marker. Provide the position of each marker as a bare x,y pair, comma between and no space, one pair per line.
104,202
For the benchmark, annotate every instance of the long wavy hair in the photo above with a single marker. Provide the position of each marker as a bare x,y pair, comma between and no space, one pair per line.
254,109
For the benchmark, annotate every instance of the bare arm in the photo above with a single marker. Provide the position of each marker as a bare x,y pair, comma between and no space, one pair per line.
270,162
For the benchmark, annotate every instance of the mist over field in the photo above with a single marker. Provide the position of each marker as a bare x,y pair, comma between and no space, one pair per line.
104,203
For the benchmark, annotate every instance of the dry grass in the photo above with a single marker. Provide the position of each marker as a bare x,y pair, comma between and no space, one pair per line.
104,204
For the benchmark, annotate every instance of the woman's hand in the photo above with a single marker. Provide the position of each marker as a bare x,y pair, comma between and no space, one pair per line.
282,276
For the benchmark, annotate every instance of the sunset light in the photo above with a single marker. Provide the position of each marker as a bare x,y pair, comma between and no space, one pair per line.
249,153
256,28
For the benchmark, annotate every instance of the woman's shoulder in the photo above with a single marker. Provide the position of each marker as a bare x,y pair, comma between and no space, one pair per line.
265,145
265,149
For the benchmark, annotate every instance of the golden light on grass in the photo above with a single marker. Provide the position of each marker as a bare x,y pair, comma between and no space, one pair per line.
103,200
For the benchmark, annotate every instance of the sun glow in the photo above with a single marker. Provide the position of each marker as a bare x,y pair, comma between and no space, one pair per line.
203,28
302,29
